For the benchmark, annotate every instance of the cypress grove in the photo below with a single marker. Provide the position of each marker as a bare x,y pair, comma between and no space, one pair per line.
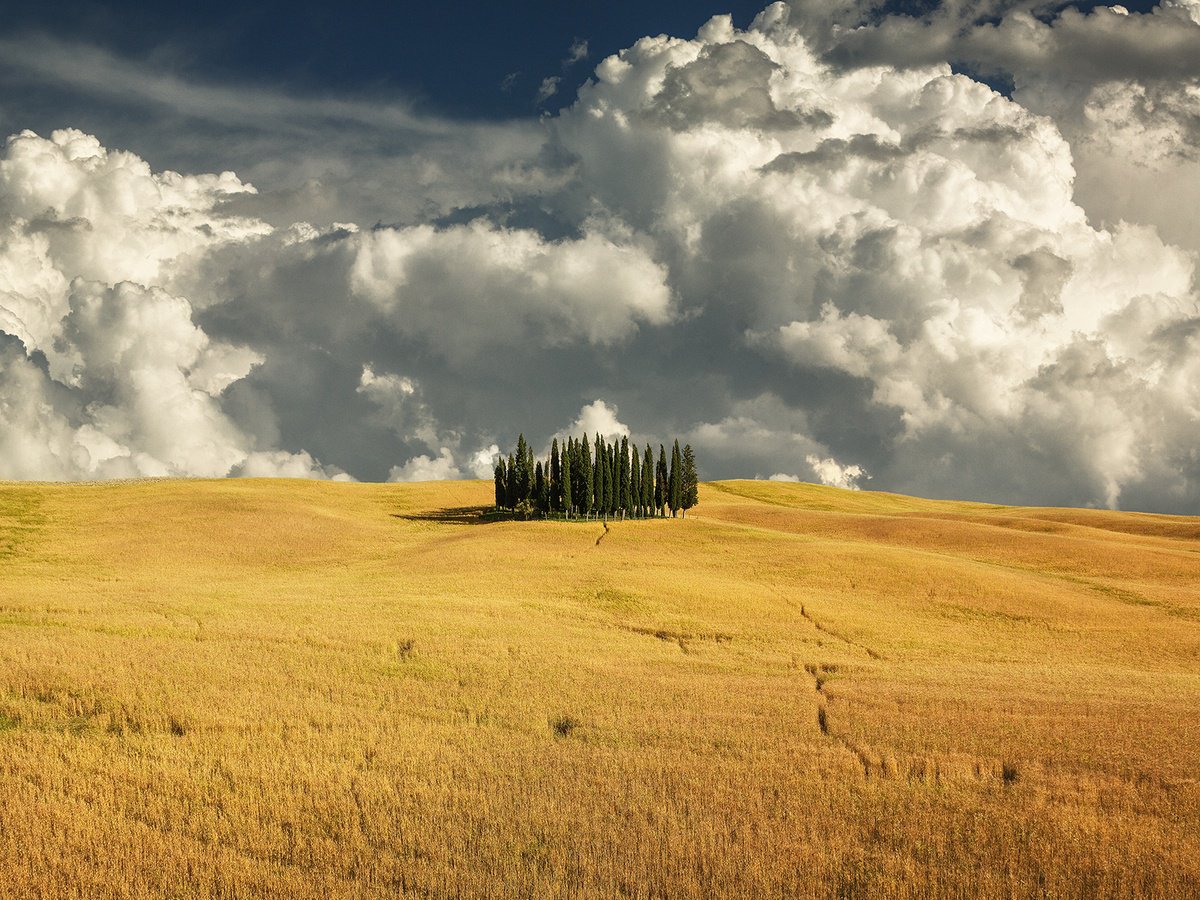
596,479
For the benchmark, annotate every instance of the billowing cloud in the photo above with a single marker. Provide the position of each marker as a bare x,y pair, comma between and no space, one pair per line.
472,288
482,462
103,375
922,242
819,246
598,418
427,468
281,464
830,472
1123,88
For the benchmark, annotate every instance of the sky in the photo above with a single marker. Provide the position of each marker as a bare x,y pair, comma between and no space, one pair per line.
473,59
946,249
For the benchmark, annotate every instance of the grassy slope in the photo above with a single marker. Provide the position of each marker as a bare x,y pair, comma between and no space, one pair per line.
208,688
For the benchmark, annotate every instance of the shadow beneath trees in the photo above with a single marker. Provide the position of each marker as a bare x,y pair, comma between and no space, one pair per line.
457,515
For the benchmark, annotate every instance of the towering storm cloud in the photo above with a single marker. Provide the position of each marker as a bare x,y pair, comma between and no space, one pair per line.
820,248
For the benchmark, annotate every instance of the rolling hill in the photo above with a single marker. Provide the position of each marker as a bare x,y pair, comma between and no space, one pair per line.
287,688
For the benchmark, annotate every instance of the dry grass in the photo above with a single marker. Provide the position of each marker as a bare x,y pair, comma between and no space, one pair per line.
264,688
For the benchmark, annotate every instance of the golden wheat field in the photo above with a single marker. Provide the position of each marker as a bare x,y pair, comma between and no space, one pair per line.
296,689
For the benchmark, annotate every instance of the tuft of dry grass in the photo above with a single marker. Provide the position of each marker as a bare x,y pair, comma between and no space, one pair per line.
275,688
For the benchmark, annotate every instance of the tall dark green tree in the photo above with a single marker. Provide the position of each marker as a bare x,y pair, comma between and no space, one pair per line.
567,477
576,476
601,466
524,471
622,489
675,481
610,479
614,471
660,482
586,476
635,483
501,479
555,477
690,481
511,493
647,481
568,449
597,476
541,488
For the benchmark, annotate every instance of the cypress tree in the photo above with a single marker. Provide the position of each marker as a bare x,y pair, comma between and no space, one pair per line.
660,482
567,473
555,477
586,476
598,503
577,474
635,484
570,474
616,469
543,488
691,484
501,484
610,488
675,481
621,489
524,471
647,481
597,477
510,495
609,478
603,464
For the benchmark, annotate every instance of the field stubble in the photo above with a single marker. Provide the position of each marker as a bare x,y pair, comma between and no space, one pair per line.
264,688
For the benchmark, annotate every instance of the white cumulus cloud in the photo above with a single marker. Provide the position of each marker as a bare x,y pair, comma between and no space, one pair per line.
106,373
471,288
832,473
427,468
598,418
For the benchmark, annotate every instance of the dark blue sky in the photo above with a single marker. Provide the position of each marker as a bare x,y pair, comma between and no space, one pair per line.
448,57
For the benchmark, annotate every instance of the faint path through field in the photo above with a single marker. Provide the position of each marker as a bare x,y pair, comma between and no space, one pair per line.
820,674
841,637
